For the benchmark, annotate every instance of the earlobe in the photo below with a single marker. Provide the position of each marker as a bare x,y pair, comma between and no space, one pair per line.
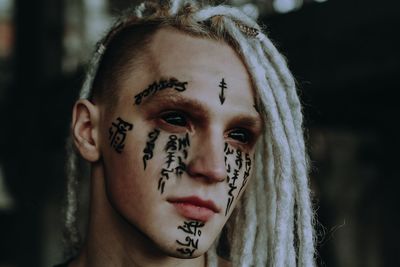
85,123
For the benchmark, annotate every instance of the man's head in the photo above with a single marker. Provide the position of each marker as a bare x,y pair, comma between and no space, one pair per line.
188,144
181,109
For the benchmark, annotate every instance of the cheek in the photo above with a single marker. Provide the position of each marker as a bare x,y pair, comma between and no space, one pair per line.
175,154
127,155
238,166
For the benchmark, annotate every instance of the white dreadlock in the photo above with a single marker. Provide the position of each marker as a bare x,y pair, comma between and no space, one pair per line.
275,215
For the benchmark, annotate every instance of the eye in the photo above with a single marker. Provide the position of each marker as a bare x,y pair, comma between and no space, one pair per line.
240,135
175,118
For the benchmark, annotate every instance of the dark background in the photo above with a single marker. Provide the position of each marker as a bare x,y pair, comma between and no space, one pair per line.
345,57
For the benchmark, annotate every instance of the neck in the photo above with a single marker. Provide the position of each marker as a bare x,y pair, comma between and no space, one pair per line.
111,241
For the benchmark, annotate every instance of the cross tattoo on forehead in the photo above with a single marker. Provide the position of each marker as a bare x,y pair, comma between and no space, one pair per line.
223,86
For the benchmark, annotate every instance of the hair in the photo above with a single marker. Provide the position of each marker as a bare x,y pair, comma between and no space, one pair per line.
273,223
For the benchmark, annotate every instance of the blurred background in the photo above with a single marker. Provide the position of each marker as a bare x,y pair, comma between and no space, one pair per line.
345,57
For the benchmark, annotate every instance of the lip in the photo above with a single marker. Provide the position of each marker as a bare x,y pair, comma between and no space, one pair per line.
194,208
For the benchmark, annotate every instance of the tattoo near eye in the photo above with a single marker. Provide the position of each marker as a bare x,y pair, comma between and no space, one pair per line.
175,118
240,135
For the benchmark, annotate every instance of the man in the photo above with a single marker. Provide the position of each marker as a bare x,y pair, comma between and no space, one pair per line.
182,110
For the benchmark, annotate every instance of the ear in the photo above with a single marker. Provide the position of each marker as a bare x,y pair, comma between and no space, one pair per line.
85,129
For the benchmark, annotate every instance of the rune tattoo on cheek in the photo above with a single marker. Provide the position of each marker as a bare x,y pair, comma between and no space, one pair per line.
158,86
191,243
176,149
117,134
222,85
231,180
148,151
246,172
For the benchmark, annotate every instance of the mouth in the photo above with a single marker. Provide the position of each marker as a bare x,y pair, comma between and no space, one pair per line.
194,208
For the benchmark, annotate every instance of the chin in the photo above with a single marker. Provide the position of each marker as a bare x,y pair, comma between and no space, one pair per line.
195,254
185,252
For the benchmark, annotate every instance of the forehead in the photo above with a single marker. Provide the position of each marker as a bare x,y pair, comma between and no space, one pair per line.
171,48
197,59
201,62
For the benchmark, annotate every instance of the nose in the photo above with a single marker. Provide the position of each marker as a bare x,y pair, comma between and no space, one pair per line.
207,159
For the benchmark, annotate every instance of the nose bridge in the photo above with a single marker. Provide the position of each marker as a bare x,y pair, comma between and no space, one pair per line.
207,158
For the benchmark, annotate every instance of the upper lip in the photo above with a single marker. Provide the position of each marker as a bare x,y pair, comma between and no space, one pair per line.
196,201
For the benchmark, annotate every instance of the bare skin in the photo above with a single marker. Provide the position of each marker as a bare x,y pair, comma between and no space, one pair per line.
131,222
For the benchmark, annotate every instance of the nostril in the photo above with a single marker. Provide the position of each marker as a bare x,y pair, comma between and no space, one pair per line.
207,168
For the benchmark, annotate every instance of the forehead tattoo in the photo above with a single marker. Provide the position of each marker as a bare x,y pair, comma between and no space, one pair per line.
155,87
222,85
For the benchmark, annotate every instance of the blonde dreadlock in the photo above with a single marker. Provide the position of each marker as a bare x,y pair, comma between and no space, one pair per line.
275,214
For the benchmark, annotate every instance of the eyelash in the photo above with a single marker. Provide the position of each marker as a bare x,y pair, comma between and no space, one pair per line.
243,136
175,118
178,119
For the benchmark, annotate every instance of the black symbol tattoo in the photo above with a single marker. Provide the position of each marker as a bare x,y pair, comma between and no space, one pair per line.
246,172
222,85
171,147
228,167
192,240
227,150
158,86
191,227
232,188
232,178
239,160
181,168
117,134
184,144
148,151
174,145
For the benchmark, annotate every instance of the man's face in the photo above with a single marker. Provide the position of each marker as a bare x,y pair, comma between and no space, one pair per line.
179,148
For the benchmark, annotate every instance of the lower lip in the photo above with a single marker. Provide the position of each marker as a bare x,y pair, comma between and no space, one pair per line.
193,212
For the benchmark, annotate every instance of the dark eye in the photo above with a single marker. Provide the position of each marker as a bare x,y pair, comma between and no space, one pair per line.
174,118
241,135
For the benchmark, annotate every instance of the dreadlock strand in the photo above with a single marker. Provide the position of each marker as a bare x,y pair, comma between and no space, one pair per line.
236,232
279,63
286,110
72,237
270,188
298,154
261,213
229,12
250,227
284,188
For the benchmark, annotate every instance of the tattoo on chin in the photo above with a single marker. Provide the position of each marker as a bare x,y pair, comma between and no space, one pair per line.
191,243
117,134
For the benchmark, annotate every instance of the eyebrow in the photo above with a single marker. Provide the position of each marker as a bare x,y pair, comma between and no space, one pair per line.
248,121
160,84
175,99
198,110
